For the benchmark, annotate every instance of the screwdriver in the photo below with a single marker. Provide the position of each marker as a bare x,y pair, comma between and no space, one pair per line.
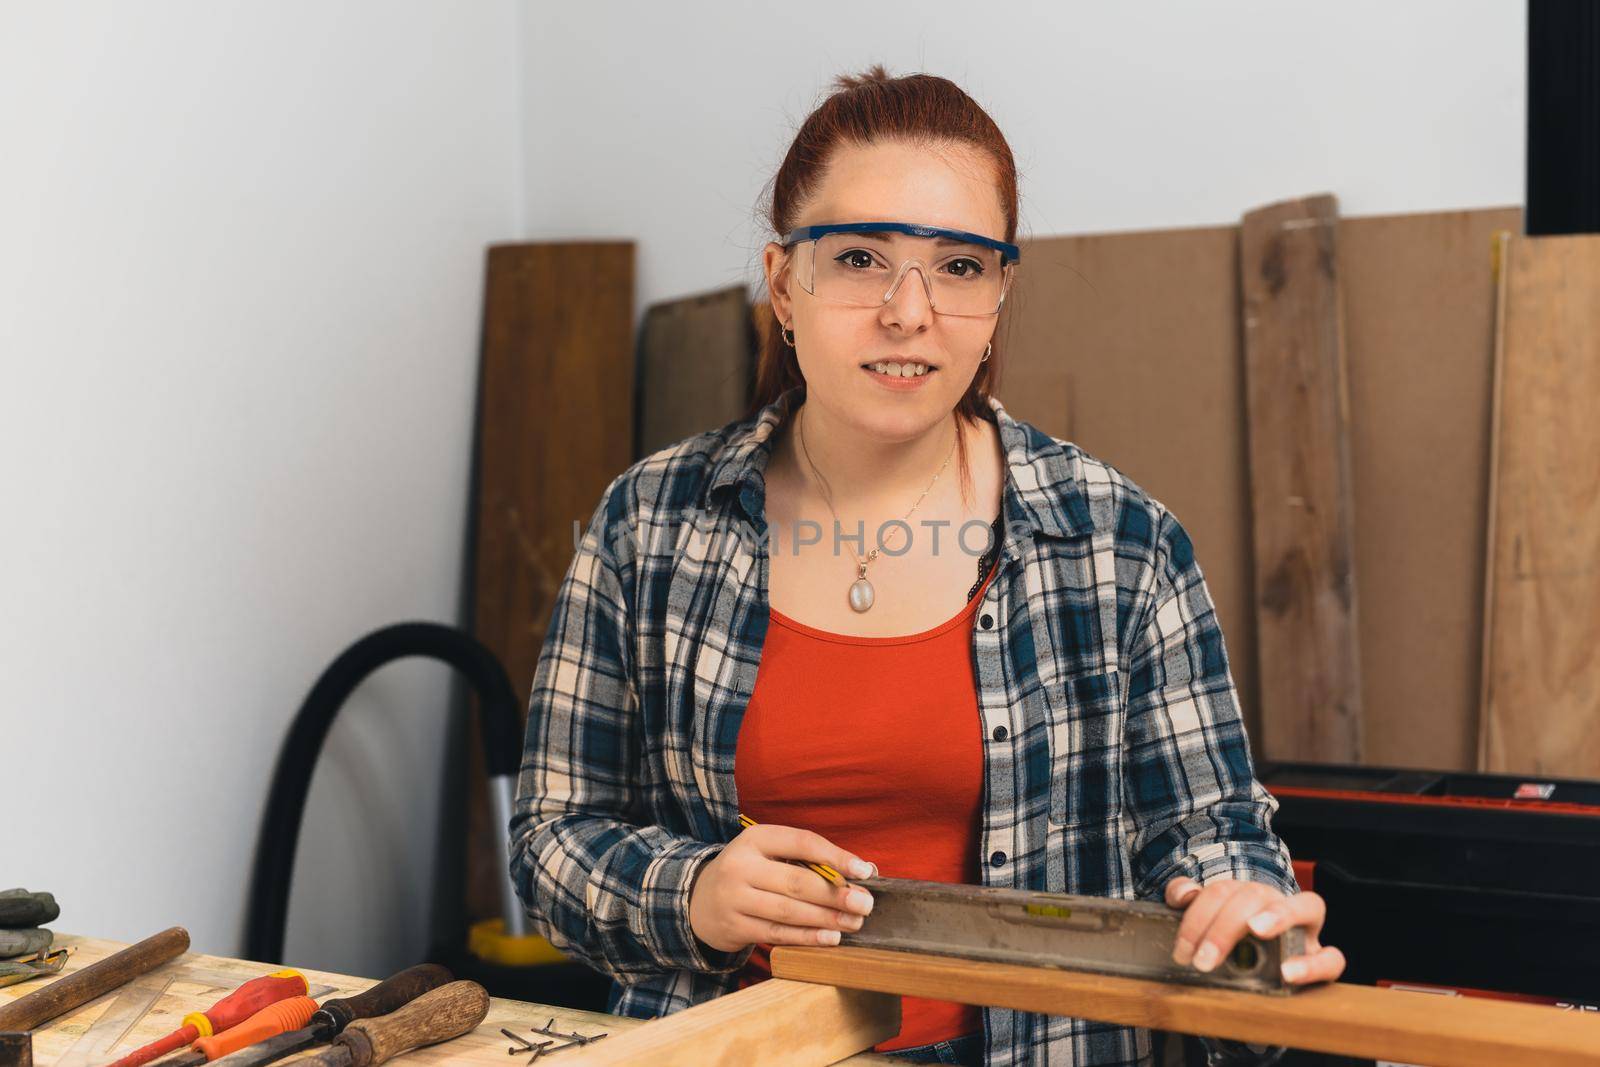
226,1013
270,1021
329,1021
438,1015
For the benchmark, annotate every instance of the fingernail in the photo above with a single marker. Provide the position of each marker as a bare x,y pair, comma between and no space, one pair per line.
860,900
862,869
1188,894
1206,958
828,937
1293,971
1261,922
1182,952
851,922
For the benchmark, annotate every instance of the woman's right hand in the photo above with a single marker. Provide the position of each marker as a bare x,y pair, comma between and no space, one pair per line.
747,893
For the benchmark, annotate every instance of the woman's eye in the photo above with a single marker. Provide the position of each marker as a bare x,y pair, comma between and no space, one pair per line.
965,268
856,258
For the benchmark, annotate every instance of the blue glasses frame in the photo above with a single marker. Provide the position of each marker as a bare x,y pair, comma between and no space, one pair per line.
1009,252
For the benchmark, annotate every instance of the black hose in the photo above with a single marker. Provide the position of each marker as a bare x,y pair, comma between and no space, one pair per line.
499,716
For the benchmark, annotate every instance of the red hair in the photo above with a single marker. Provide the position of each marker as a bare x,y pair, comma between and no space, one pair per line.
864,109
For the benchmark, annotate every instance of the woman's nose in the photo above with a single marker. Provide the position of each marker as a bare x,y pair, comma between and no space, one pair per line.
910,303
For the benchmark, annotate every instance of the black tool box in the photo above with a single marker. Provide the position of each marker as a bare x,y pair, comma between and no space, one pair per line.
1464,884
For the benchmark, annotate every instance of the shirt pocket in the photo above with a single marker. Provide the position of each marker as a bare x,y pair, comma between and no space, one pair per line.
1085,716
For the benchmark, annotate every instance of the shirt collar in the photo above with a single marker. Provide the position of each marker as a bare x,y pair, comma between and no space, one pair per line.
1042,491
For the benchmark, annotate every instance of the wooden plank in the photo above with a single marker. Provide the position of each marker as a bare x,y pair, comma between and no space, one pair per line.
1349,1020
1541,692
775,1022
696,366
1298,413
195,981
555,426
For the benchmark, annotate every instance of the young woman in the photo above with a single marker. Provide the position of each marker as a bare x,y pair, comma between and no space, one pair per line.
895,626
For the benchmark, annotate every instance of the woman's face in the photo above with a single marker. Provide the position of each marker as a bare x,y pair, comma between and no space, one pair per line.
890,181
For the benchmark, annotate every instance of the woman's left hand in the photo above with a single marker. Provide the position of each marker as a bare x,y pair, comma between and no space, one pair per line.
1218,914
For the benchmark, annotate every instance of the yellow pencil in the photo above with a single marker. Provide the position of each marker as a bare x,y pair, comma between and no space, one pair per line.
821,868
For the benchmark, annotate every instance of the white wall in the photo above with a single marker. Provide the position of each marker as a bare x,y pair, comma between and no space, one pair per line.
665,124
240,258
241,251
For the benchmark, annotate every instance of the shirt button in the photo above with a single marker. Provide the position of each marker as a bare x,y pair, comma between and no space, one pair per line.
986,621
997,860
999,733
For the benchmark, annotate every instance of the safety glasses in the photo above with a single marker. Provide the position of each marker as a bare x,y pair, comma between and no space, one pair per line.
861,264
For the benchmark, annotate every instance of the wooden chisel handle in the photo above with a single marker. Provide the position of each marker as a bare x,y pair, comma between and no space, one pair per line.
391,994
438,1015
80,987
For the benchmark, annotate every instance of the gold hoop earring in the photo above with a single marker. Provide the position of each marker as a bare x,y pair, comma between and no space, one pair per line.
788,336
986,350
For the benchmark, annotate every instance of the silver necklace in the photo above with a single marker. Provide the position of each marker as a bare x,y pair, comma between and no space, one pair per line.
862,594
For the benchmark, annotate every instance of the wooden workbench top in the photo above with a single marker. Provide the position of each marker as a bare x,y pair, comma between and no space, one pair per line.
154,1004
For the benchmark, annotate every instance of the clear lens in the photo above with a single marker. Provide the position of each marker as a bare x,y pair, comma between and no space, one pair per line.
859,269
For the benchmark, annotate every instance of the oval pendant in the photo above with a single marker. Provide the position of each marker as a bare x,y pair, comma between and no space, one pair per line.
861,594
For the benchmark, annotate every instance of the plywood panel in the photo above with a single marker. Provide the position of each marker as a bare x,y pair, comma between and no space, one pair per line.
1542,663
1127,344
1419,322
1297,410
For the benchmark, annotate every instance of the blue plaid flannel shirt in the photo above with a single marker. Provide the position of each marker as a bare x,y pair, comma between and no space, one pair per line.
1124,762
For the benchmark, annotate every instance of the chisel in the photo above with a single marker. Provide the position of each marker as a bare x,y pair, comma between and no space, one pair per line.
330,1020
438,1015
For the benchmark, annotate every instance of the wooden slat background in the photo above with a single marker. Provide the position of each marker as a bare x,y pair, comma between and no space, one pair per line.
1129,344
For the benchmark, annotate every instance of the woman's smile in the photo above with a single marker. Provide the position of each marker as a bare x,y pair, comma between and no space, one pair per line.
901,377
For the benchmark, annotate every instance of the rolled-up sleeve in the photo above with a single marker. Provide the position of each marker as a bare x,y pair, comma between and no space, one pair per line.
599,887
1189,785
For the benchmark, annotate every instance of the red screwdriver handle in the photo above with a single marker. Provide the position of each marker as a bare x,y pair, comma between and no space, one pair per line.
231,1010
270,1021
245,1001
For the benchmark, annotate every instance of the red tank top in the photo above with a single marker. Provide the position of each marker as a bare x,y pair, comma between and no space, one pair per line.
874,743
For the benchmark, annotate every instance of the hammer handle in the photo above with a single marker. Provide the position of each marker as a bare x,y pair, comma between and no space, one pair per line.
78,988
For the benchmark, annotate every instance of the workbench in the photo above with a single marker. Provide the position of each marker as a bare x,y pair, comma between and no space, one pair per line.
825,1005
154,1004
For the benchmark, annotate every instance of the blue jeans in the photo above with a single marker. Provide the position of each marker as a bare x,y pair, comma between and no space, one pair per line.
966,1050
